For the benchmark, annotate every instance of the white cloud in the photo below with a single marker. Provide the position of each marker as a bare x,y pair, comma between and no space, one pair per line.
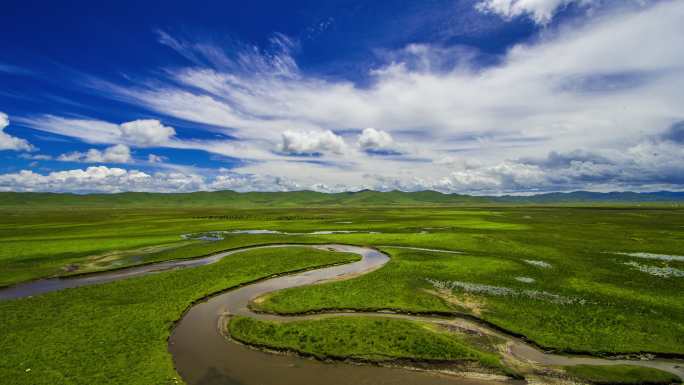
102,132
275,60
137,133
100,179
35,156
311,142
541,11
571,83
8,142
111,179
152,158
653,164
503,177
578,86
375,140
115,154
250,182
146,132
649,165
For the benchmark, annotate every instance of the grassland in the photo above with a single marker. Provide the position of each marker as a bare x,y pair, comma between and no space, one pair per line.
557,313
363,339
117,333
621,375
44,242
588,299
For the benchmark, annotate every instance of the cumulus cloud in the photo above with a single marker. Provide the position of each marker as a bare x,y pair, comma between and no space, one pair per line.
311,142
100,179
541,11
8,142
146,132
376,141
115,154
105,179
504,177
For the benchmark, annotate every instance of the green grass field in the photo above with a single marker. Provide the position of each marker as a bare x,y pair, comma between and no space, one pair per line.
98,238
621,375
553,310
362,338
557,275
117,333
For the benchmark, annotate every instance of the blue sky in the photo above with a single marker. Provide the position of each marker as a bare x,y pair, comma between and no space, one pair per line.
476,96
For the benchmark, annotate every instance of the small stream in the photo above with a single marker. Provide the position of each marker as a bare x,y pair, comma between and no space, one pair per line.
204,356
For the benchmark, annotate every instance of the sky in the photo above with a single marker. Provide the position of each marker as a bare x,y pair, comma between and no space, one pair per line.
482,97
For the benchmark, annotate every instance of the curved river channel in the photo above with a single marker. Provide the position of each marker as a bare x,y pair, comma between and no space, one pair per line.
204,356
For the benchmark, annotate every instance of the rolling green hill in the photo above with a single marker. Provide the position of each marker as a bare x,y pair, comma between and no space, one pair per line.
316,199
238,200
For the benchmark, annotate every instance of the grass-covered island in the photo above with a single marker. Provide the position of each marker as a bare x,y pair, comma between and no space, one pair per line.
621,375
363,339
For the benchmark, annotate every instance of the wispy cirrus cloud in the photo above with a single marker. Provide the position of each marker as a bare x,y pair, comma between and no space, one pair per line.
14,70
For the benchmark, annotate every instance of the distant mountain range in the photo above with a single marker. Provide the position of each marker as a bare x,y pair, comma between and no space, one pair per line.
317,199
588,196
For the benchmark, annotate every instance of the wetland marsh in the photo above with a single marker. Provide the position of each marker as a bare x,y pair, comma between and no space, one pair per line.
561,278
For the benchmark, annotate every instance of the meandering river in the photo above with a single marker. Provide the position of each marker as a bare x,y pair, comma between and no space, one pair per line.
204,356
